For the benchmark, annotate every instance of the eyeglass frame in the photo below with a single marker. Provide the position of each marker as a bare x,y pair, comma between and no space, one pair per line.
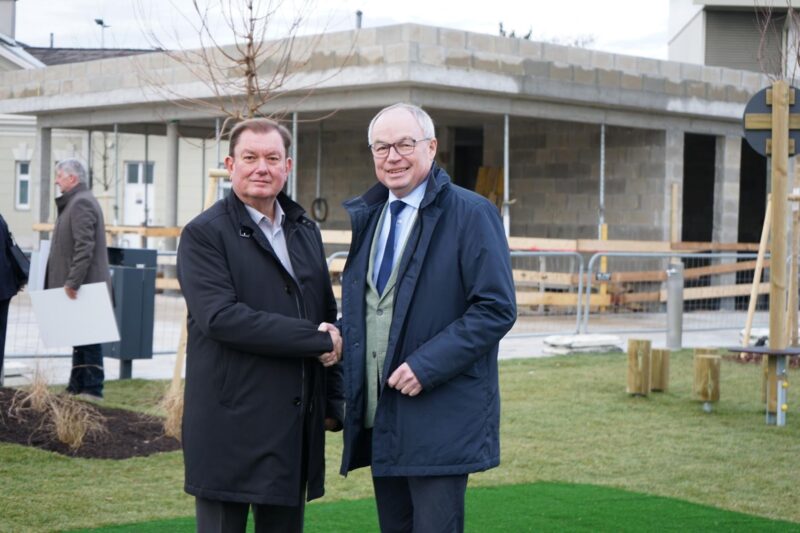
394,145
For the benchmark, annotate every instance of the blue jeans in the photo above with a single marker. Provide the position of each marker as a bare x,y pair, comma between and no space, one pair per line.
87,370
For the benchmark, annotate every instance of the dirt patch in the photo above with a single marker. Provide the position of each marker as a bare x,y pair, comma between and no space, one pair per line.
129,434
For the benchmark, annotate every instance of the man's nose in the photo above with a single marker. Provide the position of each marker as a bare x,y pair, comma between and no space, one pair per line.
393,154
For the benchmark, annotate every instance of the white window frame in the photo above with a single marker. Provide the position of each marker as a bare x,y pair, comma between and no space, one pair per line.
19,178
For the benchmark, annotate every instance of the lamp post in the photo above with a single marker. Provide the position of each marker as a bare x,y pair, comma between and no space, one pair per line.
103,27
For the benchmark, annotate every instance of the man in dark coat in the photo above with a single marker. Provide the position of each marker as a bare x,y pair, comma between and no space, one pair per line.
9,286
78,255
427,294
262,383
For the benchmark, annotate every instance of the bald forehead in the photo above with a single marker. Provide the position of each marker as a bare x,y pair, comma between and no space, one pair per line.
398,119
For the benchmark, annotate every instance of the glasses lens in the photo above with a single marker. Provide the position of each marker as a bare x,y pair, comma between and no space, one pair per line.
405,147
380,149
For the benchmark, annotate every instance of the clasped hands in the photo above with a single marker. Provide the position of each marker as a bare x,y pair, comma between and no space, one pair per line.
335,355
403,378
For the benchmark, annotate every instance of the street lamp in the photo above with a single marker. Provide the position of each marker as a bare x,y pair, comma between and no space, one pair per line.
103,27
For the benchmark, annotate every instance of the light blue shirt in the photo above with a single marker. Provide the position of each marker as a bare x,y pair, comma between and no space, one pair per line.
274,233
405,221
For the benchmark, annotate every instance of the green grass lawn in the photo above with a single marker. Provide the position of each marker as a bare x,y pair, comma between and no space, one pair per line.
532,507
565,420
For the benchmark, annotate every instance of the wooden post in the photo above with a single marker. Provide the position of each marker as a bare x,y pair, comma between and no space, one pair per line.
659,370
777,292
638,367
706,376
792,315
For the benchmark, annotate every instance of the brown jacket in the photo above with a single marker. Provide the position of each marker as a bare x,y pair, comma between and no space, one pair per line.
78,252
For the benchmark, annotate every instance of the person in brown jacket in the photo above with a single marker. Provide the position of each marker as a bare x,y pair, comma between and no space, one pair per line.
78,255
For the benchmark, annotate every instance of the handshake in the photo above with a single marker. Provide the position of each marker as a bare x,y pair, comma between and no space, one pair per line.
335,355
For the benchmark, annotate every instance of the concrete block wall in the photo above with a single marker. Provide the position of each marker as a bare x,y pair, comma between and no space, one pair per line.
555,169
346,171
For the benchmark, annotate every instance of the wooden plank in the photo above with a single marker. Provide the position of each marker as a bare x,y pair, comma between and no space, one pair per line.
337,265
693,293
549,278
558,299
168,284
332,236
763,121
714,247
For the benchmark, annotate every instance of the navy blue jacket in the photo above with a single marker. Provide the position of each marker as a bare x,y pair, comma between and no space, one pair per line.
454,301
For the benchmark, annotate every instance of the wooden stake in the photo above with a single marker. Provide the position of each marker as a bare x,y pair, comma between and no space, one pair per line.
638,367
659,370
706,376
791,323
777,294
762,249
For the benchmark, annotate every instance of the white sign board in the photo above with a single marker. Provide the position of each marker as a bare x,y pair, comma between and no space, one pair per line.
89,319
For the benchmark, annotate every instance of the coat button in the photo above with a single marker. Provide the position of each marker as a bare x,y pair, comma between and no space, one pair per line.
297,401
287,289
374,355
379,312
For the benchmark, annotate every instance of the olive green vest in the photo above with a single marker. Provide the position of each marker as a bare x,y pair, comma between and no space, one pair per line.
378,313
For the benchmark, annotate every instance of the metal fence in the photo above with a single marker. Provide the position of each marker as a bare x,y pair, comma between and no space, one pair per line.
629,293
557,293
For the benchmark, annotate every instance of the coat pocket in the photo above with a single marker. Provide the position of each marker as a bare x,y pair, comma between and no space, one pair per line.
224,380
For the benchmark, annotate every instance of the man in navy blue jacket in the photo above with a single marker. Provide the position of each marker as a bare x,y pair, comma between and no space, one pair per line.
427,294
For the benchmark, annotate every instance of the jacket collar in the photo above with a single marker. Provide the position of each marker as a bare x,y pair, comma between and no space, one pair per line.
293,211
63,200
437,181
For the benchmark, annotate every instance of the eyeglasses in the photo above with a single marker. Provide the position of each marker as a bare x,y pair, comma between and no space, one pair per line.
403,147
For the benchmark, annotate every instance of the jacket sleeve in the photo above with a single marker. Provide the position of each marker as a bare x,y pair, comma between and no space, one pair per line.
334,380
484,264
212,303
83,223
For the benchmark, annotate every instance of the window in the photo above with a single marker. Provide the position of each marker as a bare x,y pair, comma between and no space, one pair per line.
134,172
22,196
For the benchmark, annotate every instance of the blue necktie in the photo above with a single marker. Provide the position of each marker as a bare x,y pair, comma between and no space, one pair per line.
388,251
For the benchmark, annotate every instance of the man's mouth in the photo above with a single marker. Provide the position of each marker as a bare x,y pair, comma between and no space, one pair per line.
397,171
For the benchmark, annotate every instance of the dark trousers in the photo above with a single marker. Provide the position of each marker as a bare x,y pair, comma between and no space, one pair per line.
231,517
3,327
426,504
87,370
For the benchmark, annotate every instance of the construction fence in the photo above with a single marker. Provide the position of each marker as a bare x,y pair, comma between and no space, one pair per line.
558,292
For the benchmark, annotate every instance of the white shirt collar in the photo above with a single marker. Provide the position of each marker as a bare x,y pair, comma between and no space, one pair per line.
414,198
258,216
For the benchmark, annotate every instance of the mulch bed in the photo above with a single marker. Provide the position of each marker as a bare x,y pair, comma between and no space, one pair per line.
129,434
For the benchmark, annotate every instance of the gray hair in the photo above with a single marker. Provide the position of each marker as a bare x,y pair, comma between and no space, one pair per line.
73,167
423,119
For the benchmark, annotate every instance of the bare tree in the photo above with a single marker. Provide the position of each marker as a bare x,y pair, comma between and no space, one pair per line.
779,44
579,41
246,64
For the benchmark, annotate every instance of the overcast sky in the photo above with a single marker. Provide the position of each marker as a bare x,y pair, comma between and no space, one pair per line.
635,27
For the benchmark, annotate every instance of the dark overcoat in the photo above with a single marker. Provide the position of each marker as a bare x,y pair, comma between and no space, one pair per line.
252,377
8,278
454,300
78,253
